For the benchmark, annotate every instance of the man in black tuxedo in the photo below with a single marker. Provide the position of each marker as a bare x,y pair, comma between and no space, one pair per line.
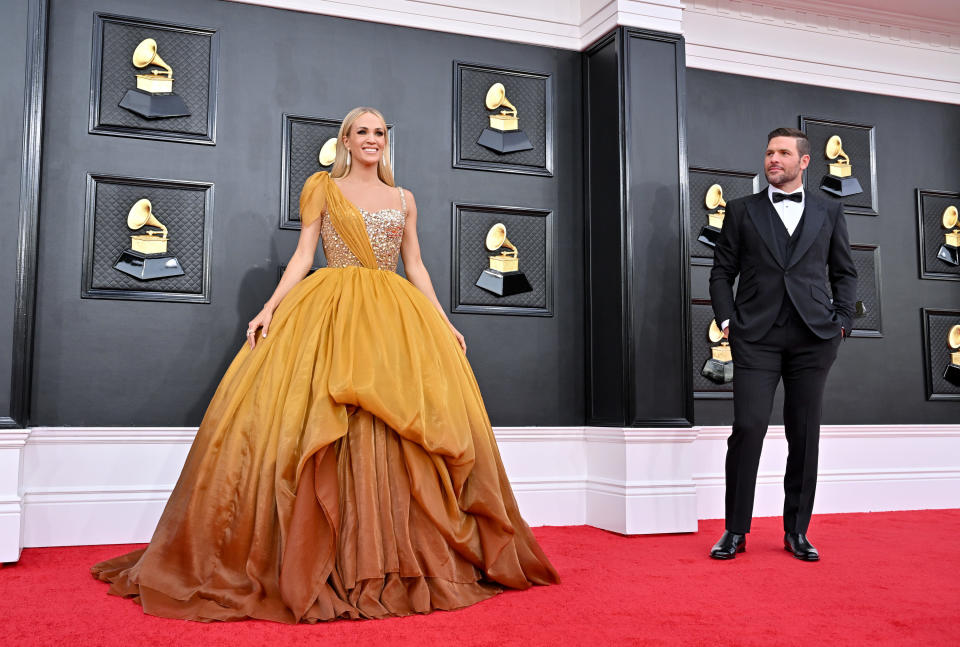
784,244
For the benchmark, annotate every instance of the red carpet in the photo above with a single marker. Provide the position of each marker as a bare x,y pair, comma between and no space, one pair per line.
888,578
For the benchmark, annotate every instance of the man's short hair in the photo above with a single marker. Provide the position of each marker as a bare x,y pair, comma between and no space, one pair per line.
803,144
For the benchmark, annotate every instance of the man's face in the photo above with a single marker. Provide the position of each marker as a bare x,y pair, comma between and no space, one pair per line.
783,163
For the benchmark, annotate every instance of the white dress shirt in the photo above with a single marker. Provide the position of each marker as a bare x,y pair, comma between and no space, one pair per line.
789,212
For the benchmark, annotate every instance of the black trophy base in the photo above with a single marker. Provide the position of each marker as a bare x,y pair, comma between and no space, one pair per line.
949,255
146,267
154,106
503,284
841,187
504,141
952,374
709,235
718,372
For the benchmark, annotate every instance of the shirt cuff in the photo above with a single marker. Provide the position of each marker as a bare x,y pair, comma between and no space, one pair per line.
725,324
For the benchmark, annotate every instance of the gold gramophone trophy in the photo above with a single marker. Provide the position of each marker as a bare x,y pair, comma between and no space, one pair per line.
949,251
952,373
719,367
147,257
503,277
714,200
154,97
839,182
503,135
328,152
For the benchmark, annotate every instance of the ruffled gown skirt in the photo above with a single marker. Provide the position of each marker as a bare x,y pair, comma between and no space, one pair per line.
345,468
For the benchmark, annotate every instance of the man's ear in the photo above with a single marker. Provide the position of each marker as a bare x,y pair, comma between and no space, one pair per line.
804,162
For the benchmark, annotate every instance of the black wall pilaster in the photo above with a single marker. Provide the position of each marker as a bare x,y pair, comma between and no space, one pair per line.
23,48
636,214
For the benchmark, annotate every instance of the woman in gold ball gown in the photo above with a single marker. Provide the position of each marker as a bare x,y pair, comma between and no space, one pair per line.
345,467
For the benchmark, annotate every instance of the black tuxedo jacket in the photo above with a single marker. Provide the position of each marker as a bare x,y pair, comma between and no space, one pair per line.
747,247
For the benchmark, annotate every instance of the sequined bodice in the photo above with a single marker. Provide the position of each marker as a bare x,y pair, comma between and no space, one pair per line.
385,229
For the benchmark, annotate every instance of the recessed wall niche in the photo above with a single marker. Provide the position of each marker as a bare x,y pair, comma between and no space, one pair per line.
502,119
303,137
938,235
701,314
733,184
529,232
843,163
941,353
867,319
171,96
147,239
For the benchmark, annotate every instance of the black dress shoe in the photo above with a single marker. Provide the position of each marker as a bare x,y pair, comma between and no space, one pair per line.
796,543
729,545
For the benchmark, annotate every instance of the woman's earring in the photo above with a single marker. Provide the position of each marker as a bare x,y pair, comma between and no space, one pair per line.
348,158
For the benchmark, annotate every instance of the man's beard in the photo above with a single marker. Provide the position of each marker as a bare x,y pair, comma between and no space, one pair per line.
785,178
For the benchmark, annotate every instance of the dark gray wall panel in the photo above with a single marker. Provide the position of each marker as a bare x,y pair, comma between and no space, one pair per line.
13,53
274,62
875,380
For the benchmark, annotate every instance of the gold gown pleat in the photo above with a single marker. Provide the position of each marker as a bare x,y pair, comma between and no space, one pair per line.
345,467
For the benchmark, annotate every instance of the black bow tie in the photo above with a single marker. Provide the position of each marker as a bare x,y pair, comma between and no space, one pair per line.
796,197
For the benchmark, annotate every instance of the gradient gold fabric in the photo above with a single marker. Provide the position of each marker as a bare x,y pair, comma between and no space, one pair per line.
345,467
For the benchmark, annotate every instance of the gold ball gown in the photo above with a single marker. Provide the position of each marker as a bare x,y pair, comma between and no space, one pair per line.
345,467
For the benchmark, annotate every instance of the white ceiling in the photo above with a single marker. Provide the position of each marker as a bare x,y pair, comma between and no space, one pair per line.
946,13
906,48
939,10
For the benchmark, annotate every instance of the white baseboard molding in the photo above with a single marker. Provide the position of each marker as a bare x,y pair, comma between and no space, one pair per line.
862,491
862,468
89,517
80,486
552,502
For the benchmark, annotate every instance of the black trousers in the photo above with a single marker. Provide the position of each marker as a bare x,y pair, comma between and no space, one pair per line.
789,351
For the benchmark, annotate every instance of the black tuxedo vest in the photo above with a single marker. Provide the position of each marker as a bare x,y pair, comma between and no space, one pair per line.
787,243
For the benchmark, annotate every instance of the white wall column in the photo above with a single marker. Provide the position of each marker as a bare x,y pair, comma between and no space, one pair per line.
12,443
640,481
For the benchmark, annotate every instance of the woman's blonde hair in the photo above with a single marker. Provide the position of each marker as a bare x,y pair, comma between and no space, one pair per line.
340,166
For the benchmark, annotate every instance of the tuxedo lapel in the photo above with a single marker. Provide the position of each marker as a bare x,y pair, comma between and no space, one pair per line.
813,217
759,212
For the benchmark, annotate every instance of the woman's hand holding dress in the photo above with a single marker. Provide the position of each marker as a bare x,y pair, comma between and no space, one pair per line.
459,336
262,320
